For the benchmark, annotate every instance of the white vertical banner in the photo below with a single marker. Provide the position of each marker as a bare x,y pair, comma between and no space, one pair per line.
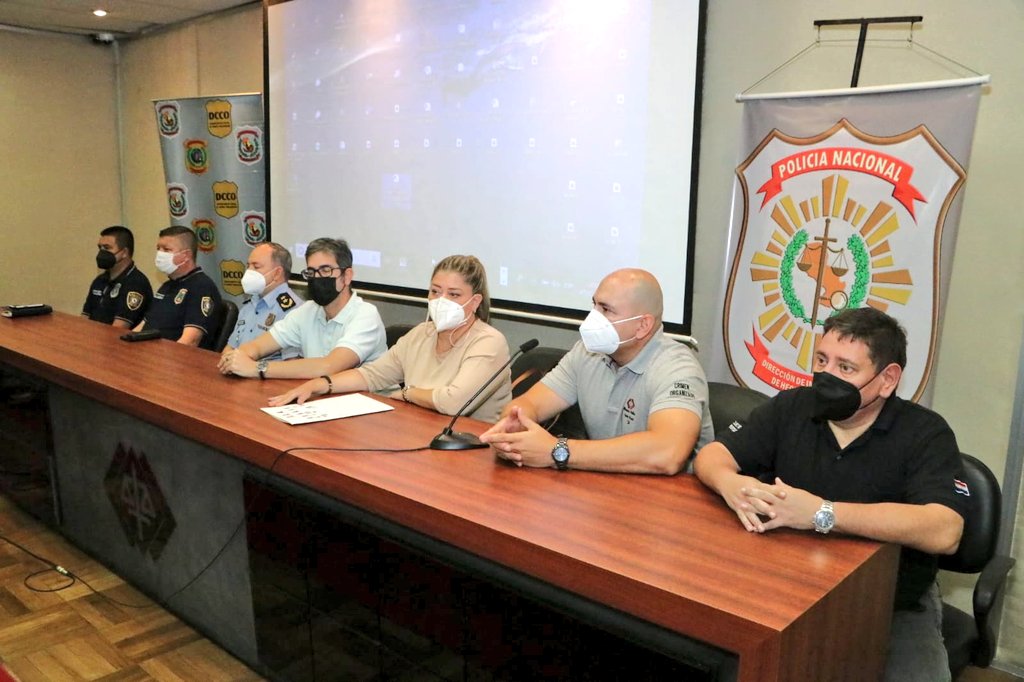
214,162
843,199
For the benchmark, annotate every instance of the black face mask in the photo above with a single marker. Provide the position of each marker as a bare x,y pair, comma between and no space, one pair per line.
835,399
322,290
105,260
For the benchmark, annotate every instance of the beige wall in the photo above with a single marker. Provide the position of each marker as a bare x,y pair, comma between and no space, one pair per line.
61,106
59,175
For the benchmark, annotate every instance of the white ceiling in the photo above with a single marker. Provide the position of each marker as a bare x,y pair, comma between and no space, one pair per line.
126,18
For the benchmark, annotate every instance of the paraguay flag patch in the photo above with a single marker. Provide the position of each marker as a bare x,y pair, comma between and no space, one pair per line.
960,488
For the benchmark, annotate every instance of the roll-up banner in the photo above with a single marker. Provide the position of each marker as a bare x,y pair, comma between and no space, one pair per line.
843,199
213,156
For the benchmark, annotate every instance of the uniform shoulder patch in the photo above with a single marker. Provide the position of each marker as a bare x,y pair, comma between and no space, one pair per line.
286,301
206,306
134,300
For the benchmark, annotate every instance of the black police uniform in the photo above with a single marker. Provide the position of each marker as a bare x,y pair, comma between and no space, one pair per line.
909,455
189,301
126,297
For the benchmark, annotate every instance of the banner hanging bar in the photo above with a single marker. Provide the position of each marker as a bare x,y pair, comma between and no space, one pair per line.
871,90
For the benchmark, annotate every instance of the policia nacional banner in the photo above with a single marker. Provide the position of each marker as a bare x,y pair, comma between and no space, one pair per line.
844,199
214,167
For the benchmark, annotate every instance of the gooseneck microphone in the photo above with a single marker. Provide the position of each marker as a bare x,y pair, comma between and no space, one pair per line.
460,440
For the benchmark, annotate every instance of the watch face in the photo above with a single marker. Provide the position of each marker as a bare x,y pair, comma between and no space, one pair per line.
824,519
560,453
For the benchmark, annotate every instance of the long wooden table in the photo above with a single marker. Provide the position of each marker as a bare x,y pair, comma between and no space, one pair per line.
791,605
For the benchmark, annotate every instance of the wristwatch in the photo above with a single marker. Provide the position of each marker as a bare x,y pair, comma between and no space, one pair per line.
261,367
560,453
825,518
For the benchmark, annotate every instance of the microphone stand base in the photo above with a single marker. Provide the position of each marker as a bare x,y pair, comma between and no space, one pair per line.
457,440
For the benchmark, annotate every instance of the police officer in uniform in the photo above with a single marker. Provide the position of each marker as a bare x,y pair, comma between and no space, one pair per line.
120,295
270,297
183,306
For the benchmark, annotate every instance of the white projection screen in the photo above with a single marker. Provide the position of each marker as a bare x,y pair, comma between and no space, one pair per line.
556,140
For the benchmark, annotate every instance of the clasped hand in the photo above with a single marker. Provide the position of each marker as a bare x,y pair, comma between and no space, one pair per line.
520,440
781,504
233,361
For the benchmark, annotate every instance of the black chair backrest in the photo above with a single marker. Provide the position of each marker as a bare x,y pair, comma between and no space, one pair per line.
530,367
981,526
225,317
730,404
396,331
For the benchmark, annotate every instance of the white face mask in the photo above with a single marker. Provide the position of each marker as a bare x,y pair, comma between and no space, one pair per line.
165,262
599,335
253,283
446,313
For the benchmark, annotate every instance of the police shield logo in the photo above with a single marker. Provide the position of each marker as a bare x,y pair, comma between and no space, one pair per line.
177,200
218,117
206,306
168,119
206,234
115,290
180,296
254,228
231,272
225,199
840,220
197,160
249,142
133,299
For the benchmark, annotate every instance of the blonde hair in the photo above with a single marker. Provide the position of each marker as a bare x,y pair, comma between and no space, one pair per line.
472,271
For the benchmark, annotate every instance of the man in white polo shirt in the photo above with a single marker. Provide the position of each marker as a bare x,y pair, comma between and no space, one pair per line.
337,330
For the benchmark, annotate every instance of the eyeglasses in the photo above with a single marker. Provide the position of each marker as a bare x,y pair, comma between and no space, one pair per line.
322,271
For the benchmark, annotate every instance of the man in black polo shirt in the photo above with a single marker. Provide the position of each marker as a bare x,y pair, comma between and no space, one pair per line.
848,455
121,294
183,306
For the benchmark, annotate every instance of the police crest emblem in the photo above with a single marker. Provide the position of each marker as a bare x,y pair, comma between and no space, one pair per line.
134,300
206,305
180,296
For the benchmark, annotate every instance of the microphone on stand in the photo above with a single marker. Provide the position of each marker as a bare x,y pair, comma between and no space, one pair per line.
460,440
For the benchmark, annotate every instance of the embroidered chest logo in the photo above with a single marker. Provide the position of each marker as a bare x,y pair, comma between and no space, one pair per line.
629,411
182,293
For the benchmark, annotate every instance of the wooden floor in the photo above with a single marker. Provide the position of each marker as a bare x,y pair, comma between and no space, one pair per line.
75,634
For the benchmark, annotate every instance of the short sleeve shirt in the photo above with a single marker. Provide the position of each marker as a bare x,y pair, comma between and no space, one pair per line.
126,297
909,456
259,313
617,400
188,301
357,327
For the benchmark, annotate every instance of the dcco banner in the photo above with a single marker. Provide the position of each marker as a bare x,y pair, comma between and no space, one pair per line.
214,167
843,200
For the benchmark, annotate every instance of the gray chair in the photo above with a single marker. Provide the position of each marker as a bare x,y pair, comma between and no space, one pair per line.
731,404
970,639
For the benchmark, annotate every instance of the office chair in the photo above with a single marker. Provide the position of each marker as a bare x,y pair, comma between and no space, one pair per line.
225,316
730,404
971,640
396,331
528,370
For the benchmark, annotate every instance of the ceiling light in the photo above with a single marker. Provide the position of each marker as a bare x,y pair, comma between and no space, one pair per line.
100,12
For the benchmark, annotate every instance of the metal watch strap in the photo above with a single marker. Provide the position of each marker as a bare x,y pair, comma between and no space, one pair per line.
261,367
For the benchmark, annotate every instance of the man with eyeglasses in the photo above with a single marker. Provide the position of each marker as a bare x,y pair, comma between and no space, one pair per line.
183,306
270,300
336,331
120,295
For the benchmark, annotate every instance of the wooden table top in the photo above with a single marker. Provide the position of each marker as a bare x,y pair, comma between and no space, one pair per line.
665,549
